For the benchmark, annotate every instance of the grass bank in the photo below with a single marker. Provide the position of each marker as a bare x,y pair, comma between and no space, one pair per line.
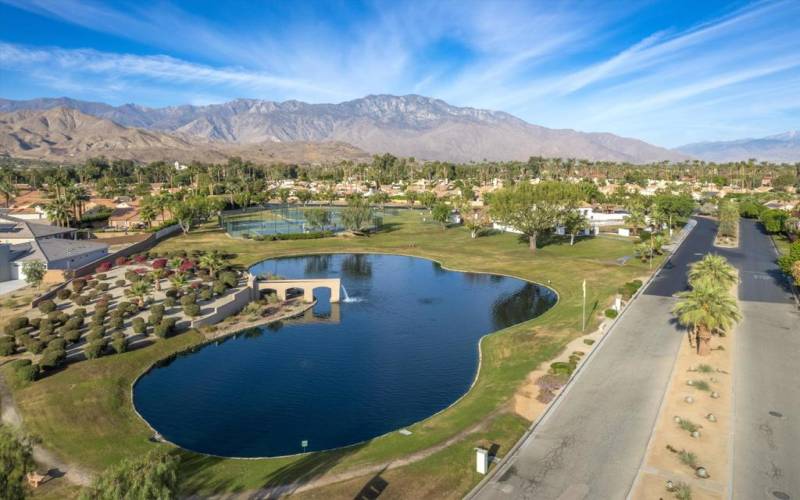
84,412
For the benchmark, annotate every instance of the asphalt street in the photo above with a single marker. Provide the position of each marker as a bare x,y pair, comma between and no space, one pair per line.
590,445
766,447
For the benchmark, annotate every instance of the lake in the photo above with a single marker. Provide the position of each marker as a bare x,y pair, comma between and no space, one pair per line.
402,348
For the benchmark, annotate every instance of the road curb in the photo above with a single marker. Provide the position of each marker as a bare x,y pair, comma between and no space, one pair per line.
578,371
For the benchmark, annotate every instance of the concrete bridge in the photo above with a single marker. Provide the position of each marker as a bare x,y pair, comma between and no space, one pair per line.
281,287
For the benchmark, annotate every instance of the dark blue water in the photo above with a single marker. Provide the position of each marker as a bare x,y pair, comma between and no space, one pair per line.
344,374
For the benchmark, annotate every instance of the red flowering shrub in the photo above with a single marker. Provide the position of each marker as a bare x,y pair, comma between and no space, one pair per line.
139,259
104,267
140,271
121,261
159,263
195,285
186,265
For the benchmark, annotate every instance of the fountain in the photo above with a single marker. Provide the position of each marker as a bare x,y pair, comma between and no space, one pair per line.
348,298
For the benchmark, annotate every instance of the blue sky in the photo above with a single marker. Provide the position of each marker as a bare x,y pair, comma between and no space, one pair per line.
666,72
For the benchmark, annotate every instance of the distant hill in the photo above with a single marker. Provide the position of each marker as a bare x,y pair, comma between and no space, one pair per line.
775,148
410,125
61,133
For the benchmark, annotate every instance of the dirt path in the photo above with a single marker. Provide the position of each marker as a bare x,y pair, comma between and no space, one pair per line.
44,458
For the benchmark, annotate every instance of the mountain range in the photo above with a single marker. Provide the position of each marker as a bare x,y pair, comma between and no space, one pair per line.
776,148
411,125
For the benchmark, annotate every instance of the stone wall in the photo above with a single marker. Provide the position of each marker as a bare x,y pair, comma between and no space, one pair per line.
235,303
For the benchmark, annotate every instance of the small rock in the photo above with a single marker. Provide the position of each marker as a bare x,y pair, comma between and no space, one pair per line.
677,419
701,472
690,382
715,395
689,399
696,434
711,417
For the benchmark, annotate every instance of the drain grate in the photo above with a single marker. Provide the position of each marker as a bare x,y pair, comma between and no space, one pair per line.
781,495
776,414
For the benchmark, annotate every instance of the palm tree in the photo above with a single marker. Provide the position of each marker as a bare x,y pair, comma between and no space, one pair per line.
213,262
158,274
59,211
7,189
713,269
178,280
705,309
140,289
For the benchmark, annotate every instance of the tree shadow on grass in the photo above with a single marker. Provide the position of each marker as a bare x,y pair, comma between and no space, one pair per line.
277,483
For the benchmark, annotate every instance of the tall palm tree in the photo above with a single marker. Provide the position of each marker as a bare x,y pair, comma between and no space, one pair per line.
714,269
59,211
705,309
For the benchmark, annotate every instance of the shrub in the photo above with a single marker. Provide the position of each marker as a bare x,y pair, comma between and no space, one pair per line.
191,310
101,276
47,306
132,276
218,288
98,330
139,325
74,323
46,327
688,458
165,328
229,278
116,322
159,263
78,285
120,283
103,287
188,299
63,294
53,358
35,346
172,293
94,349
25,370
120,261
103,267
611,313
206,294
701,385
561,368
35,322
16,323
169,302
688,425
80,300
79,313
7,346
72,336
119,343
92,283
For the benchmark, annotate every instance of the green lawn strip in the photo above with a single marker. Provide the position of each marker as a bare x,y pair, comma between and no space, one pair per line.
84,412
782,243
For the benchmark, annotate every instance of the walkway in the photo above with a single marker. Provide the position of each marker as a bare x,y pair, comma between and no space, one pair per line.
591,443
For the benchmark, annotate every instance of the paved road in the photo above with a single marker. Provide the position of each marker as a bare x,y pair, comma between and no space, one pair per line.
767,377
591,444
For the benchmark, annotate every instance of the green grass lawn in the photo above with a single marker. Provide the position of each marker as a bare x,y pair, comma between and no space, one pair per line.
782,243
84,412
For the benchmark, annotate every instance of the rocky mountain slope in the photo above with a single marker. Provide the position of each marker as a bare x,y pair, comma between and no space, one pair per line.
776,148
410,125
61,133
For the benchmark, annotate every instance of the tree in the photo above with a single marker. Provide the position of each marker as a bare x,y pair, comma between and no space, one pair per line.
773,220
441,214
574,222
533,208
34,271
473,221
152,476
786,262
713,269
796,272
381,198
636,218
16,461
140,289
705,309
59,211
317,218
178,280
357,214
427,199
7,189
212,261
304,196
728,219
158,274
